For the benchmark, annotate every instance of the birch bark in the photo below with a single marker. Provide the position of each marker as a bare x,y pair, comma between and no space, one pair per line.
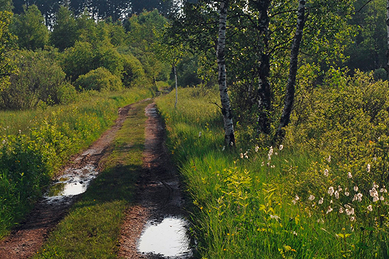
290,87
222,78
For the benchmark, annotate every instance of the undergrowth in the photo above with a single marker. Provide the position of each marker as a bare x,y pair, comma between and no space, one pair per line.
298,200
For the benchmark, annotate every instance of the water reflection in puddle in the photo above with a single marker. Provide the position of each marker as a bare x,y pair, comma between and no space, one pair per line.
73,182
167,238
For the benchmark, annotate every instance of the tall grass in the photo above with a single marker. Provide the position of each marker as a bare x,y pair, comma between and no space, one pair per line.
35,144
269,202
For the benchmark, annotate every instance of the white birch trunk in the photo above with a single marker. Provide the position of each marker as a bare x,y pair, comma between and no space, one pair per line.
222,78
290,88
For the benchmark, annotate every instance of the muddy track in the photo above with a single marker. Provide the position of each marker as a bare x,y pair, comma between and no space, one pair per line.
28,237
159,192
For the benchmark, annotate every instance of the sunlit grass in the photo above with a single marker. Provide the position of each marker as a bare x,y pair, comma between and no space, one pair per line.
244,200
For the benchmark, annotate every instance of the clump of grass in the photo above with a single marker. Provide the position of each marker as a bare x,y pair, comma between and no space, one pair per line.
92,228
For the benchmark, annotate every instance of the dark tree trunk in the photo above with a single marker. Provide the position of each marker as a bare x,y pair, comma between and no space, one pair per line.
264,90
290,88
222,78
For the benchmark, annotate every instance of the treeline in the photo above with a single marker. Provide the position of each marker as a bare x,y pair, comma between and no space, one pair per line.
44,67
264,65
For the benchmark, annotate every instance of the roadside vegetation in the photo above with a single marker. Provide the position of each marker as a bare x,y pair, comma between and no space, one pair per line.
314,196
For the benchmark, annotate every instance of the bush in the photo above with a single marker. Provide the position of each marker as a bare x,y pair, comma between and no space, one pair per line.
133,72
39,79
99,79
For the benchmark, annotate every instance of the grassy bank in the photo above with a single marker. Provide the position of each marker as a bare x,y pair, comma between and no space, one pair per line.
92,228
34,144
270,202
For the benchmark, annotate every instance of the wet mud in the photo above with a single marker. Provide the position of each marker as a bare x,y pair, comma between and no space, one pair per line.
159,218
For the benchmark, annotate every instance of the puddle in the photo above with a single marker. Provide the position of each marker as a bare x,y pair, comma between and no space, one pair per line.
168,238
73,182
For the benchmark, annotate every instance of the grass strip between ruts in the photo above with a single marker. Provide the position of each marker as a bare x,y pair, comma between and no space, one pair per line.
92,227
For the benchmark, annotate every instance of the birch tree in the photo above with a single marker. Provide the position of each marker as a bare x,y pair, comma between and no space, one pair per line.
222,75
290,88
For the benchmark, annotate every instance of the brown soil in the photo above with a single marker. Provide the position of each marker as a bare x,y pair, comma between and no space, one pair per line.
158,194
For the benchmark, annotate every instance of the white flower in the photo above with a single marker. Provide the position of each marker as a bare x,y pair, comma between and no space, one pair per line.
347,194
352,218
256,148
199,134
370,208
341,210
368,168
336,194
326,172
270,153
375,199
281,147
321,200
329,159
241,155
272,166
376,185
373,192
350,211
246,155
329,210
349,175
311,197
274,217
224,148
355,188
295,199
358,197
331,191
382,198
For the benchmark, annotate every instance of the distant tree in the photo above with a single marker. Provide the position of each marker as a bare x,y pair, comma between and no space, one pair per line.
6,44
6,5
163,6
30,29
65,31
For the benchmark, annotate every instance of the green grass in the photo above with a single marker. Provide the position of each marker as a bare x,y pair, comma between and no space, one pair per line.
91,230
47,139
242,201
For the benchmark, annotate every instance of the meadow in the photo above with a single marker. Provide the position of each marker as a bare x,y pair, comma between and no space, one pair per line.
311,197
34,144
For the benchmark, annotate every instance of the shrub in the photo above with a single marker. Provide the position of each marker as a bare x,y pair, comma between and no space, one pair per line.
133,72
39,79
99,79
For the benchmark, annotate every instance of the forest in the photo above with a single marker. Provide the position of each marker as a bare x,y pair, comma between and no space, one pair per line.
276,112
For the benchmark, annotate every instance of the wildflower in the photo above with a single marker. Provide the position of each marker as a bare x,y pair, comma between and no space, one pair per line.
272,166
311,197
368,168
199,134
224,148
256,148
383,190
275,217
263,163
373,193
295,199
246,155
355,188
341,210
321,200
350,211
241,155
382,198
326,172
340,188
331,191
329,210
349,175
347,193
270,153
352,219
376,185
358,197
329,159
336,194
370,208
281,147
